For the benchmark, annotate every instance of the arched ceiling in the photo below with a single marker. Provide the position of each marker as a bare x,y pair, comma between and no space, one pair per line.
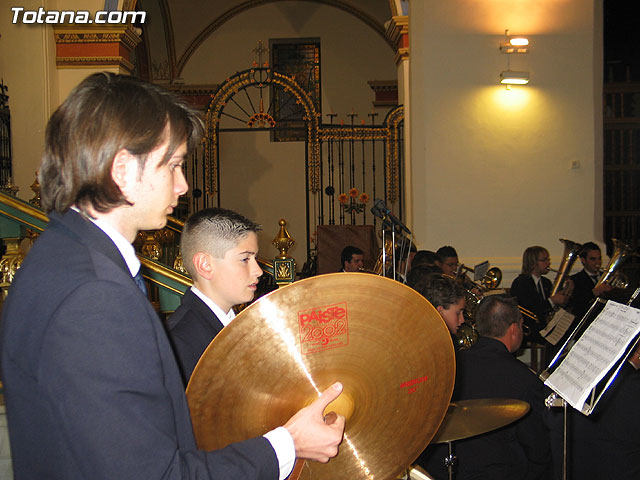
184,26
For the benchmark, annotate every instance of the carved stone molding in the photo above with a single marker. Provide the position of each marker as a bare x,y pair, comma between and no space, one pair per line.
386,92
88,46
398,34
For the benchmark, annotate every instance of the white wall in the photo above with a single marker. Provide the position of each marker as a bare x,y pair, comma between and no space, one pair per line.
492,169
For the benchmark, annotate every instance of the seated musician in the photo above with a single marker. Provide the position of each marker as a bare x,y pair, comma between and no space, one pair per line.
533,290
447,260
426,257
488,369
351,259
449,264
584,282
446,295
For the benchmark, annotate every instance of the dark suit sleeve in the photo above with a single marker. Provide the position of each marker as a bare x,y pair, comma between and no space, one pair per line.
582,296
533,434
103,360
524,290
186,354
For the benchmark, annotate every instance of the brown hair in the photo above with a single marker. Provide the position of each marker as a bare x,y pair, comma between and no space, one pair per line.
213,231
530,257
104,114
440,290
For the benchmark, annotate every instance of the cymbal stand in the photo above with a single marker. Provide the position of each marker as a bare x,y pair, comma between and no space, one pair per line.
554,400
451,461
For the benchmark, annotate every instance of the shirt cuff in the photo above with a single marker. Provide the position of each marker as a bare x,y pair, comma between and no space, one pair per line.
282,443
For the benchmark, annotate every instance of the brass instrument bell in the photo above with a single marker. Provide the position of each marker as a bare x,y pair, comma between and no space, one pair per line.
490,281
610,275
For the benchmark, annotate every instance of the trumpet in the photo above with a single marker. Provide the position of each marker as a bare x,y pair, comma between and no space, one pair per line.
489,281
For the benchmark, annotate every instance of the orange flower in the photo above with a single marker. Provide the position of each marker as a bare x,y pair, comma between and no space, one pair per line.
342,198
364,197
353,193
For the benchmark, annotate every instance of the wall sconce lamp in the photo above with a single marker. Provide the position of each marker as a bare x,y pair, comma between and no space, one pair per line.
514,44
510,77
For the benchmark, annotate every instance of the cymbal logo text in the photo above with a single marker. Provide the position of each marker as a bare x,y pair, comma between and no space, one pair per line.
323,328
412,385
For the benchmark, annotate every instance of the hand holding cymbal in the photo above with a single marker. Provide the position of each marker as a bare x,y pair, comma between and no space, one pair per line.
315,436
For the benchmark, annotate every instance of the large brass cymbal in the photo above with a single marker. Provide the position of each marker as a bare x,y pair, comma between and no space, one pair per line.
386,344
467,418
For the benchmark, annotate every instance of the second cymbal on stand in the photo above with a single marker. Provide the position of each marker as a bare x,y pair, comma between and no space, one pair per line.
467,418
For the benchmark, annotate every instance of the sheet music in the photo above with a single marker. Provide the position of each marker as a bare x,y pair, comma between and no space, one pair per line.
595,353
557,326
480,270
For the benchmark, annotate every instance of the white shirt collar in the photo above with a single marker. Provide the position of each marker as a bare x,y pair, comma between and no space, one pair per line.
122,244
225,318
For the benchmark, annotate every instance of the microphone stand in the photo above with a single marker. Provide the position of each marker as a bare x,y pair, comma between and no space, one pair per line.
393,252
384,253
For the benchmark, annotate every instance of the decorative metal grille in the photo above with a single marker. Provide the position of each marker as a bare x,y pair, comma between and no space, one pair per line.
6,169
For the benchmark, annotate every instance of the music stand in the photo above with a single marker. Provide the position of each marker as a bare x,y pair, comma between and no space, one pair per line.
592,356
590,359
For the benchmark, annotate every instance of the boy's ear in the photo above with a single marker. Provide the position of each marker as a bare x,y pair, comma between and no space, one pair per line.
203,265
124,172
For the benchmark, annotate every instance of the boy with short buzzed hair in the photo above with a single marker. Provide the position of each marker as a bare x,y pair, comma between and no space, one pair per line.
219,250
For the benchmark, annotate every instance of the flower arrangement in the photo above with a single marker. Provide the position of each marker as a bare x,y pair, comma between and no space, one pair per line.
354,201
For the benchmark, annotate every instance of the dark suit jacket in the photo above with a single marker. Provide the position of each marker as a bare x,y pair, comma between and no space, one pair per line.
191,328
519,450
606,444
582,296
524,289
92,388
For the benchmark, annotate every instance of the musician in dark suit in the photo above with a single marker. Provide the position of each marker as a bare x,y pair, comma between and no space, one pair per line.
92,388
488,369
351,259
584,282
533,290
606,444
219,250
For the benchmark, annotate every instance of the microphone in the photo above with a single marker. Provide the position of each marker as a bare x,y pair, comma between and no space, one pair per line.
386,214
378,213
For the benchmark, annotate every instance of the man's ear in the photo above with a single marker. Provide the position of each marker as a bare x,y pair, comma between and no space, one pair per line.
203,265
514,330
124,172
